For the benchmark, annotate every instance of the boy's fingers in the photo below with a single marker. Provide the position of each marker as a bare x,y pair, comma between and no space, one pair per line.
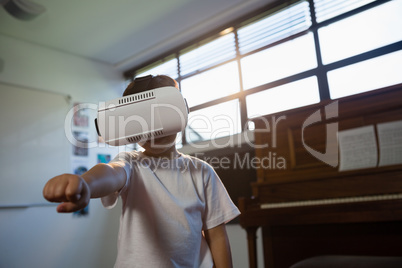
68,207
82,200
63,188
59,191
73,189
54,190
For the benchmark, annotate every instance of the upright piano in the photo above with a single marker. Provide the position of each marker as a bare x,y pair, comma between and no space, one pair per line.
305,202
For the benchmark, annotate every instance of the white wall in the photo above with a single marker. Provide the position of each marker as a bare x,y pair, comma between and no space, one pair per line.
38,236
37,67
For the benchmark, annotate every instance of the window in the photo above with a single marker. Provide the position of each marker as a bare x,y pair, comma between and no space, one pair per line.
363,32
295,54
366,75
219,82
288,96
280,61
214,122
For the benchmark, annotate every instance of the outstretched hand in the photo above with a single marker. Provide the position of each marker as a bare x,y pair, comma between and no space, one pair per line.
70,190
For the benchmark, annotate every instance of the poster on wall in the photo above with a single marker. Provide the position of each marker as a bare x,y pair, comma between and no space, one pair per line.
79,167
104,158
80,149
81,115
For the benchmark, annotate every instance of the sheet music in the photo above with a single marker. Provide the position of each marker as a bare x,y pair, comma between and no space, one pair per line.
390,141
358,148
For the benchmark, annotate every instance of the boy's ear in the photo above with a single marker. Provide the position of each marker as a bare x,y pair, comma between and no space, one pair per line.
141,84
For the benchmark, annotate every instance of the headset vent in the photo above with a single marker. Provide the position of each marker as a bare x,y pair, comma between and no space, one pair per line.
137,138
137,97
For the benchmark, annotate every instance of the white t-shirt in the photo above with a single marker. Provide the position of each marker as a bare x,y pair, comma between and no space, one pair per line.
166,205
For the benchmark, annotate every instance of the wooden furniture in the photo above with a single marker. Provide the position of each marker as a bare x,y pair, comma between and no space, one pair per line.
307,207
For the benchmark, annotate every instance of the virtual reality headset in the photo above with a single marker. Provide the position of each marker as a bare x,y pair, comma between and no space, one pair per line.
147,114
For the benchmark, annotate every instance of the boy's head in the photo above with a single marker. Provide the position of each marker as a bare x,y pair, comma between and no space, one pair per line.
154,82
156,146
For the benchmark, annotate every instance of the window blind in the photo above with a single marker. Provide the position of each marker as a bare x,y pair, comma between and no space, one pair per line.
168,68
214,52
284,23
327,9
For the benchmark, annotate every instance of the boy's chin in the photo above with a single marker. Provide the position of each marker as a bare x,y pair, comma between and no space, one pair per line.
162,143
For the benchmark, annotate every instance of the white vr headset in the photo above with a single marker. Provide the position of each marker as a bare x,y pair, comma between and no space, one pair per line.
142,116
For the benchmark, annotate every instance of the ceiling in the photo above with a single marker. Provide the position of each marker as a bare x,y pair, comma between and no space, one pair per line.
123,33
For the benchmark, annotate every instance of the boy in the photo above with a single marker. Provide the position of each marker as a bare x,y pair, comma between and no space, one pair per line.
174,206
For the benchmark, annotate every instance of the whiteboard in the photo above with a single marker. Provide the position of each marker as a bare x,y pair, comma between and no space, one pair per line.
34,147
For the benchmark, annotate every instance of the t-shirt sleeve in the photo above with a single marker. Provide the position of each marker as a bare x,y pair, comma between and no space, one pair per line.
124,160
219,207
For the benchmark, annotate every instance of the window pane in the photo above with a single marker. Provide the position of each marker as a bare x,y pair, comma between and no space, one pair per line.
213,84
285,97
277,26
326,9
366,75
214,122
211,53
168,68
365,31
280,61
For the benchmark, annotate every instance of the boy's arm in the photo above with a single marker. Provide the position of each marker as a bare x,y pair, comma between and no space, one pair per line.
218,242
74,192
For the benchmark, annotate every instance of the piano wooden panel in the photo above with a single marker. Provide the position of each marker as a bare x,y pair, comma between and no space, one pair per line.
312,185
